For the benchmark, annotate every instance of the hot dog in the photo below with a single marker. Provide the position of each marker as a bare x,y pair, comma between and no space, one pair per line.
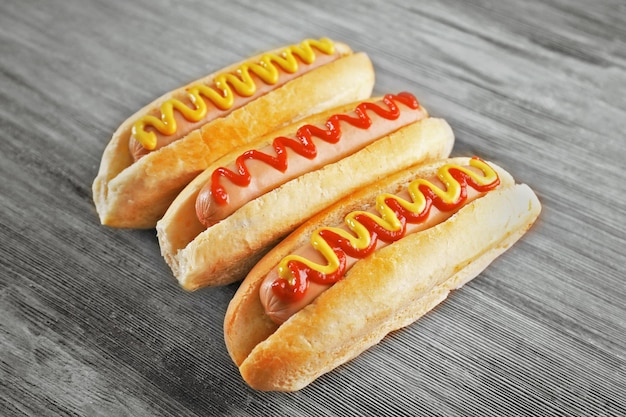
372,263
161,148
244,203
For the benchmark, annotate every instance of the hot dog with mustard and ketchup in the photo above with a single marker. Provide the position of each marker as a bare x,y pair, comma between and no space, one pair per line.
245,202
372,263
161,148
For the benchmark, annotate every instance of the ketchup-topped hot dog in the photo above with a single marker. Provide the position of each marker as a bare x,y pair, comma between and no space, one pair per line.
157,151
312,148
302,276
253,197
370,264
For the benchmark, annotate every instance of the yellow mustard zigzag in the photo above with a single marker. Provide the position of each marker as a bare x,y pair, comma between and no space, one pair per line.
221,93
388,219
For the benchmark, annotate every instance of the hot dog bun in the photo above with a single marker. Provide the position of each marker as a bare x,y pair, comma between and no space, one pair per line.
225,252
137,194
385,291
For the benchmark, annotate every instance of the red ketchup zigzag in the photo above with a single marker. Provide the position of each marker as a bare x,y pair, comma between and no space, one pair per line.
303,143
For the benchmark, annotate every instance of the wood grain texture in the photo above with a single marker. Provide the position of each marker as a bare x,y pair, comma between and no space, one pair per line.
93,324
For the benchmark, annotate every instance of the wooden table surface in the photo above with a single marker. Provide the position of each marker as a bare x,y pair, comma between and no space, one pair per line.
93,324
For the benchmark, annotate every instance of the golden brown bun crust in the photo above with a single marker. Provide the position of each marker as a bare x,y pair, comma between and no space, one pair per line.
261,223
137,194
380,294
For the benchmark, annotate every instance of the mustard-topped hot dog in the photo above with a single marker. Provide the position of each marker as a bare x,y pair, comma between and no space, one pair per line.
157,151
372,263
216,96
254,196
302,276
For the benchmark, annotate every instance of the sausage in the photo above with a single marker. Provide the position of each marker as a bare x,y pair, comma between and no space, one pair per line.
280,308
216,96
256,172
